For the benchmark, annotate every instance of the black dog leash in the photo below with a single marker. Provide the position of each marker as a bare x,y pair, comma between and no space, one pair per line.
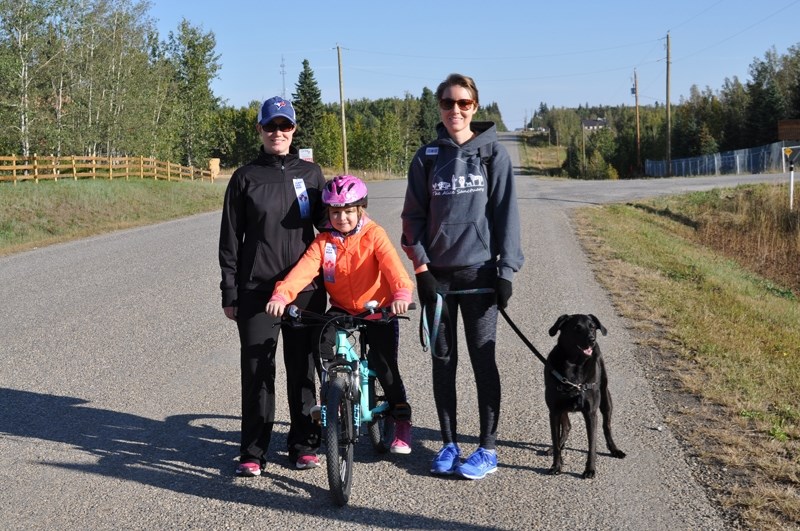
521,335
428,332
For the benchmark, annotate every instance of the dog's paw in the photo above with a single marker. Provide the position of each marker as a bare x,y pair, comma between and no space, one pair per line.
588,474
554,470
616,452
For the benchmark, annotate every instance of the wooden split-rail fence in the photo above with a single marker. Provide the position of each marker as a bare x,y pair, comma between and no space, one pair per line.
52,168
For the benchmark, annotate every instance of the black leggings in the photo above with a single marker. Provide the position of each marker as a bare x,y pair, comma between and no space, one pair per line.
383,340
259,341
479,313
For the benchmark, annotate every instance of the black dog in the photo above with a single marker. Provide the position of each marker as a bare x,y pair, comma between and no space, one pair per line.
575,380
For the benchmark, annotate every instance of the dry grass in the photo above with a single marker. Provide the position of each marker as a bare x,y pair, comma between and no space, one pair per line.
541,160
702,279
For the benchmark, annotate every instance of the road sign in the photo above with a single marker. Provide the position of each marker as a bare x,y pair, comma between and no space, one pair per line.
308,154
787,151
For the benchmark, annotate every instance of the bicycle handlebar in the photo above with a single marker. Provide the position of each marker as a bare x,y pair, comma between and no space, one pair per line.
294,315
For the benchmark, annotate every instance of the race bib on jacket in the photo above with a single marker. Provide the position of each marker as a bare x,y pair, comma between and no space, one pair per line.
302,198
329,263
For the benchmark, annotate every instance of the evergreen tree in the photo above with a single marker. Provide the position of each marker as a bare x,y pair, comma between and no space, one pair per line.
428,116
490,113
307,101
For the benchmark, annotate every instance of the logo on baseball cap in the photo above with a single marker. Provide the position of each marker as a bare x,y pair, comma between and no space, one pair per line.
274,107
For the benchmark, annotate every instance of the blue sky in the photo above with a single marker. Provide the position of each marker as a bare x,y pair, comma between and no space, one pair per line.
520,53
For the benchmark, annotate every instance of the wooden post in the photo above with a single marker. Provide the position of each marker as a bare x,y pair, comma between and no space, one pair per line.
74,170
213,166
14,168
35,169
110,169
94,167
141,167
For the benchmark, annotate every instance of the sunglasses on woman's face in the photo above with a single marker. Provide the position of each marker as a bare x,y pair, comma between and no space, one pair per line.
447,104
284,127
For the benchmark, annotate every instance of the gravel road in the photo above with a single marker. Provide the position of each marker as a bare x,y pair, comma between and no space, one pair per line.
119,392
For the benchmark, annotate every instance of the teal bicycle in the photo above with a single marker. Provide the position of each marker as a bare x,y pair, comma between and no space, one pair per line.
351,395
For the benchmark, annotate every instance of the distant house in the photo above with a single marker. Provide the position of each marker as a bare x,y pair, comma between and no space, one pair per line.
593,125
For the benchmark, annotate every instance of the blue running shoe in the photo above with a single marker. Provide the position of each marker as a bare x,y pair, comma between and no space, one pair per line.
447,460
480,463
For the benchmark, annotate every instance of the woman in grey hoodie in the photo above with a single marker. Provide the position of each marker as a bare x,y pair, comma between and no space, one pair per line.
461,230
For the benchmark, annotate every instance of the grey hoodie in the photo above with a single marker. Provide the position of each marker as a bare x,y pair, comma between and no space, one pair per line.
459,212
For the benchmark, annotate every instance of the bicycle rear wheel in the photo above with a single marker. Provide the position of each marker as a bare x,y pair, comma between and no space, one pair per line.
380,427
339,434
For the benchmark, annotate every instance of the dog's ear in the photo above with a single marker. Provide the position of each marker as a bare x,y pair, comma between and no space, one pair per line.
599,325
557,326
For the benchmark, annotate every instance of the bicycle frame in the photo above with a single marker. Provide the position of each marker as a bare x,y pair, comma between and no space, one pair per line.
349,361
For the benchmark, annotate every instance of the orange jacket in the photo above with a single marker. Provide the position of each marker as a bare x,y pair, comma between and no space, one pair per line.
361,267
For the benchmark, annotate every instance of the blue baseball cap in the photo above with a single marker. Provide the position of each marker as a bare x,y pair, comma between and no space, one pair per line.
274,107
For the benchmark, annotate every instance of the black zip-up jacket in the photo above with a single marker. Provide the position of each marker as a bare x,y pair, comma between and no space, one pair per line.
263,231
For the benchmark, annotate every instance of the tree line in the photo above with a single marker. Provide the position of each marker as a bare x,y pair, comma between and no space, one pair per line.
94,77
739,115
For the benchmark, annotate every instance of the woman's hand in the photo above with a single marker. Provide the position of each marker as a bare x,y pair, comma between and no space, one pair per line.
230,312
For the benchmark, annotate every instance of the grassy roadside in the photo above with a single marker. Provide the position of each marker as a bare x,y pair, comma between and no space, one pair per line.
718,329
37,214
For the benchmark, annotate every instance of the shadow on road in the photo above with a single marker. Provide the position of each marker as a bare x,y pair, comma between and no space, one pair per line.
183,453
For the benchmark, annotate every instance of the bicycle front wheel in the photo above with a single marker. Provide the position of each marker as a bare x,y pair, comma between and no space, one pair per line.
379,427
340,434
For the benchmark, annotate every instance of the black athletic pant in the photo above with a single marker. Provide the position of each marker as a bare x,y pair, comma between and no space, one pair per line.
259,343
479,313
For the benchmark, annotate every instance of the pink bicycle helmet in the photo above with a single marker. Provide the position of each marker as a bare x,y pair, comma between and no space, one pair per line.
345,191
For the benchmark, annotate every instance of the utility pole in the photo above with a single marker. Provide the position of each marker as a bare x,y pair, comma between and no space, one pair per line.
283,75
341,104
638,134
669,118
583,149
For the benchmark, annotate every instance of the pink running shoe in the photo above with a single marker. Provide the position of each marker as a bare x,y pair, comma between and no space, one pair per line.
248,470
402,437
307,461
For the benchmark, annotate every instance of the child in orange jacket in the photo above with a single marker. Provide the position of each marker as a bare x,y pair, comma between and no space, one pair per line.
359,264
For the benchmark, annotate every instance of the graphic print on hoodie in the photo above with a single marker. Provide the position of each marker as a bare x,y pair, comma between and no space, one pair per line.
457,176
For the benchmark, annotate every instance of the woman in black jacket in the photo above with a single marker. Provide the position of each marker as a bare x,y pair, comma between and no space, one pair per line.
271,208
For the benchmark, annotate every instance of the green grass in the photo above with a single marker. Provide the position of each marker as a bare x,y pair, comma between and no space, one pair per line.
734,332
36,214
